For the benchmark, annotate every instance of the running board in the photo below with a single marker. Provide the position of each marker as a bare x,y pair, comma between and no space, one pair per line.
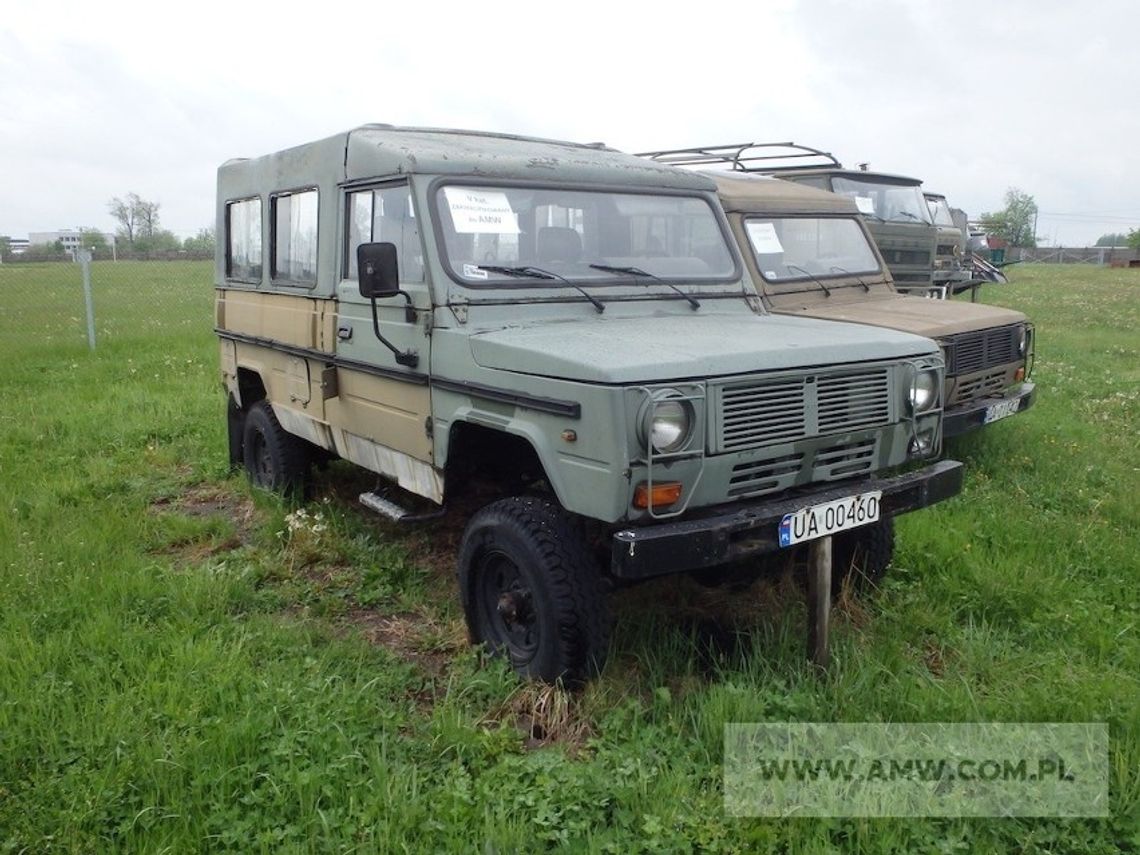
388,508
384,507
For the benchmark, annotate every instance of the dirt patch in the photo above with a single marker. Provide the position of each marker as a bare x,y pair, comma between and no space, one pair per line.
417,638
206,501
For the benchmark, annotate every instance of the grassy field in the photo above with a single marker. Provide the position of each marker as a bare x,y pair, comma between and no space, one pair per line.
186,666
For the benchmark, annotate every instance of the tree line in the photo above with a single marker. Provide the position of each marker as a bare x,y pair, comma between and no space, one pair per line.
140,229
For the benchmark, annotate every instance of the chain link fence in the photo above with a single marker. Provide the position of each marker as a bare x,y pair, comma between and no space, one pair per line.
44,306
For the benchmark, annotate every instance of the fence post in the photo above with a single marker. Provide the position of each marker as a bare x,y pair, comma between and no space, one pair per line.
84,258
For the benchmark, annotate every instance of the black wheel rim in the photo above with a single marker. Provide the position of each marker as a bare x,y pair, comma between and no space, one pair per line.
506,608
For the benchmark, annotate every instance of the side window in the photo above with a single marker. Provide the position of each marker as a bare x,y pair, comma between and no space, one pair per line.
243,240
385,214
295,237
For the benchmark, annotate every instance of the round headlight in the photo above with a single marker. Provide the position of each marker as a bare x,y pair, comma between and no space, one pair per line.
1022,341
668,421
923,391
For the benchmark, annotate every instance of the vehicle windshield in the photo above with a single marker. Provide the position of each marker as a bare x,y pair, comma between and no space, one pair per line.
888,201
810,247
939,211
562,232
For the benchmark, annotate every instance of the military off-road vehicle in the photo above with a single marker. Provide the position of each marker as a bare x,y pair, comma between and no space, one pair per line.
811,255
892,205
569,332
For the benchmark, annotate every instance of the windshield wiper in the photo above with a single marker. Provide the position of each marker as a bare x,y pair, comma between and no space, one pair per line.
637,271
826,290
539,273
906,214
866,287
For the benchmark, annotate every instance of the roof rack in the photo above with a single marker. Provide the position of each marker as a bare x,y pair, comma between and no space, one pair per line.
748,157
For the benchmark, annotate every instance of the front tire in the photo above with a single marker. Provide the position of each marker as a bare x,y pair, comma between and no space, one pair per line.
532,592
274,459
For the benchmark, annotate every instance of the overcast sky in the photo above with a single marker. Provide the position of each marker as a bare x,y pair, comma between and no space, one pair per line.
100,99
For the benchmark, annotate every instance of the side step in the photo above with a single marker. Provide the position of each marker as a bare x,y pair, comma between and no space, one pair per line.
388,508
384,507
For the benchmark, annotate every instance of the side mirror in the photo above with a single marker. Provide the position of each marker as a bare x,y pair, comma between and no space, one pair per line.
379,275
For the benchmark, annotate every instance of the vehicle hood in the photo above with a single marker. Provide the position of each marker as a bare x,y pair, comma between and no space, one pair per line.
918,315
672,347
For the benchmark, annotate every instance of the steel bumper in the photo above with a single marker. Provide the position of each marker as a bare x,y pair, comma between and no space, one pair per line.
752,529
967,417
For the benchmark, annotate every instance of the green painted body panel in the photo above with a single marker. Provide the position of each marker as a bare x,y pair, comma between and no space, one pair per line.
535,360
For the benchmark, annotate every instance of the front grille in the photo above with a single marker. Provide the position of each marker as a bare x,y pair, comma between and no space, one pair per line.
982,386
977,351
945,249
765,412
756,414
845,460
907,256
763,476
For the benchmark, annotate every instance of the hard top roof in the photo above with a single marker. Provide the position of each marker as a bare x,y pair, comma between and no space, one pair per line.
377,150
751,193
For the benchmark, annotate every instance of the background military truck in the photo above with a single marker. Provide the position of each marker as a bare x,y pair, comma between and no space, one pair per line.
810,254
892,205
568,333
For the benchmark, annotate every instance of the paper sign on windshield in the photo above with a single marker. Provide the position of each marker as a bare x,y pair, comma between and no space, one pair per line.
865,204
481,212
764,238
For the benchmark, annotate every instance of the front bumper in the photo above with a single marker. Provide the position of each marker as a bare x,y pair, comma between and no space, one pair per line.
972,415
743,530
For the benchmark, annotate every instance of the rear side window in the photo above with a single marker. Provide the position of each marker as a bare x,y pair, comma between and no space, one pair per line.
243,240
295,237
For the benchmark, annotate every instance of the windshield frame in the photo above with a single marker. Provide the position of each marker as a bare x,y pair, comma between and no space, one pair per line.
941,205
879,182
616,280
853,275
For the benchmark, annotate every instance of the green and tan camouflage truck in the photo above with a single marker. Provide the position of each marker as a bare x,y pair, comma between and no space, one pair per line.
565,340
810,254
892,205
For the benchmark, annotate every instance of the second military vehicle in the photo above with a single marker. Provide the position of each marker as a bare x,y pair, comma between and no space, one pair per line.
810,254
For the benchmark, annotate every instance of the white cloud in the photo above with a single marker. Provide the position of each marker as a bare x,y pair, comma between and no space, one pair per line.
969,96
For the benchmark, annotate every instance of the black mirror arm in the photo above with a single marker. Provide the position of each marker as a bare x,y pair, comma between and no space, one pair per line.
407,357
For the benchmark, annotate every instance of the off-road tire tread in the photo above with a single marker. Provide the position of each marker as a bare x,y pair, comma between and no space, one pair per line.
573,578
292,451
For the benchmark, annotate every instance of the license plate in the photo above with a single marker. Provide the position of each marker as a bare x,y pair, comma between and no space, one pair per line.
830,518
1001,410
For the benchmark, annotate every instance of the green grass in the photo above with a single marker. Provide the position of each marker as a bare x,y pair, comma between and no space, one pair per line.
184,666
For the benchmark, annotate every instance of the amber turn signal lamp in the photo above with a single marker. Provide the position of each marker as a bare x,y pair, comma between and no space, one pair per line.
1019,375
661,496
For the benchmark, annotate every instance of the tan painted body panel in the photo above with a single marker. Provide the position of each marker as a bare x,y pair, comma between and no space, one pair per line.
376,422
300,321
918,315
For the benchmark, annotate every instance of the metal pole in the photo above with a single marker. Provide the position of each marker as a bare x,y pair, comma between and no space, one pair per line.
819,600
84,256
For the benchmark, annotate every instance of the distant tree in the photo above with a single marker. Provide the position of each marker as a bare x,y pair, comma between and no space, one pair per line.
1114,239
93,239
203,242
136,216
1134,238
1015,221
158,241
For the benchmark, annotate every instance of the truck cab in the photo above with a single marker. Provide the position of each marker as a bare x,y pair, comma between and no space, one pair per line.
811,255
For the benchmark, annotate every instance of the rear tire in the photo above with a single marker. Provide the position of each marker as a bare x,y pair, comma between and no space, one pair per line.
863,556
274,459
532,592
